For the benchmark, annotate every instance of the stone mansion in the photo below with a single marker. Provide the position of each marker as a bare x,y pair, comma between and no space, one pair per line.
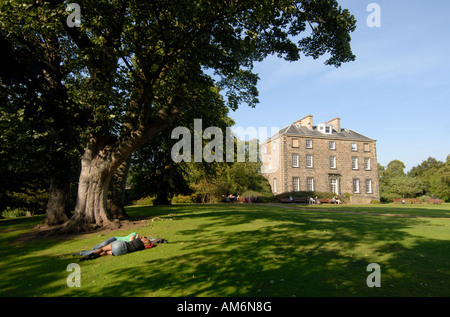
323,158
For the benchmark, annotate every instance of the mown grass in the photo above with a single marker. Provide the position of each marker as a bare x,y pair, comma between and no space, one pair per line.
417,210
244,250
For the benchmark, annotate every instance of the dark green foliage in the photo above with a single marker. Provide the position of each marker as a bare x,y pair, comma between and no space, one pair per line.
122,77
430,178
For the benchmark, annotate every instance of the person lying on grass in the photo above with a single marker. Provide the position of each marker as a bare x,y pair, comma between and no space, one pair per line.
106,242
120,247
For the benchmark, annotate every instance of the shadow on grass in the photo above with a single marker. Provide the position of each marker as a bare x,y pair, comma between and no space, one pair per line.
292,254
27,268
264,251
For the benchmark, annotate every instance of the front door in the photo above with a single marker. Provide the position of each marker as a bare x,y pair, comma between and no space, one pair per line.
334,186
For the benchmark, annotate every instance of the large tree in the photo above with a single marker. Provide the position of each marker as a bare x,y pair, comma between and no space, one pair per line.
435,175
135,65
155,173
35,104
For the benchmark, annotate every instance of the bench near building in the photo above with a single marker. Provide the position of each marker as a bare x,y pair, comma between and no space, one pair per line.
322,158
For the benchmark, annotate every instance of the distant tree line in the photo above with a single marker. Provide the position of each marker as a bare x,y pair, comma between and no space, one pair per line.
429,179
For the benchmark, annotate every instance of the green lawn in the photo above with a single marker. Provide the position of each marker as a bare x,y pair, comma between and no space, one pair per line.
244,250
417,210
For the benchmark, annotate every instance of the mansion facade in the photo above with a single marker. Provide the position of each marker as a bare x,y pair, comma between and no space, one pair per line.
321,158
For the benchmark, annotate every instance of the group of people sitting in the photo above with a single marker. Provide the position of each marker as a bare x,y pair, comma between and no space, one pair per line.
313,200
237,199
120,245
334,200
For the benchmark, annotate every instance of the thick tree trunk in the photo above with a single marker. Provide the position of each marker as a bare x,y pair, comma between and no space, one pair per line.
98,165
116,194
57,211
91,207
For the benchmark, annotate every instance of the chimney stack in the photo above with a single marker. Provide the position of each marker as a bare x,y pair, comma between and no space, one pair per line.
336,123
306,121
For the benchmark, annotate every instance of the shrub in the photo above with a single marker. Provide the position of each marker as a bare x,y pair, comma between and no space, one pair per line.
31,198
15,213
144,201
263,197
388,197
184,199
347,196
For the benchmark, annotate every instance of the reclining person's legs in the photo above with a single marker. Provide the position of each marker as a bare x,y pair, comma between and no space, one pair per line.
106,250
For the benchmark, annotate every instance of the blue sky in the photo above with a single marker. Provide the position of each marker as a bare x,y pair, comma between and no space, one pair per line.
397,91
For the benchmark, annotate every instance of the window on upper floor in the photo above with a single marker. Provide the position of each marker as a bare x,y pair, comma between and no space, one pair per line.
309,161
354,163
325,128
309,144
354,147
332,161
332,145
367,164
295,160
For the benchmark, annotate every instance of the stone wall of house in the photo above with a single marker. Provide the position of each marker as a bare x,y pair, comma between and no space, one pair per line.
319,174
271,164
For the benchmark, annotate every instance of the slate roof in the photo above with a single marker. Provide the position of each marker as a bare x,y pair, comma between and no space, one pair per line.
304,131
